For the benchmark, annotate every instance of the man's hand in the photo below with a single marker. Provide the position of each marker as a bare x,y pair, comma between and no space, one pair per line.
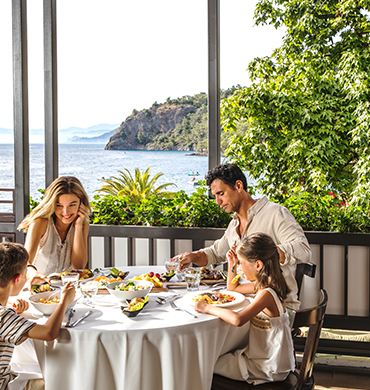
197,257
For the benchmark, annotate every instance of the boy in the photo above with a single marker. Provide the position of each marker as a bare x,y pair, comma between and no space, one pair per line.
15,329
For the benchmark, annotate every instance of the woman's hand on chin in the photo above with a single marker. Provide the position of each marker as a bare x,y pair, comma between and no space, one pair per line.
81,215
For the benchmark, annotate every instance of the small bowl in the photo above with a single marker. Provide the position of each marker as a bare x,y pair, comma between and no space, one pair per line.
48,308
145,302
131,313
168,278
121,296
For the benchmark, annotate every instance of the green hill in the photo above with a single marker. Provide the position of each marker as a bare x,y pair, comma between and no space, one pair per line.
177,124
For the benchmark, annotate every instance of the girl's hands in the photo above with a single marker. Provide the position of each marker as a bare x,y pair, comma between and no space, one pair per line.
68,293
81,215
20,306
201,306
231,256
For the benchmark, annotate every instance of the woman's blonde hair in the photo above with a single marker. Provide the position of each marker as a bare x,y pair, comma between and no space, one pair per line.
260,246
61,186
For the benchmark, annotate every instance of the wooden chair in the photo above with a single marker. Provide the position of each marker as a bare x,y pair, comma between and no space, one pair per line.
301,379
302,269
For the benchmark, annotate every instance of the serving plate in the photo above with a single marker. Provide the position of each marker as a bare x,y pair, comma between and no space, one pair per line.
239,298
58,282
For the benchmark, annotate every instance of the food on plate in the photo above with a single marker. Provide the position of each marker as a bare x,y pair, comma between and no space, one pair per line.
210,274
104,280
129,286
38,288
168,275
84,274
235,280
117,273
214,298
136,304
155,278
53,301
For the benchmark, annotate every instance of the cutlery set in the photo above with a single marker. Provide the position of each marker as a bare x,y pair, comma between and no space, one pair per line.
70,324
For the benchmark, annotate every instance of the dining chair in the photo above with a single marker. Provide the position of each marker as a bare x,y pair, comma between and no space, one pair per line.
299,379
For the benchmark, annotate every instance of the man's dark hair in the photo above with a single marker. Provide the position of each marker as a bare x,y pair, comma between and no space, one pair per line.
229,174
13,260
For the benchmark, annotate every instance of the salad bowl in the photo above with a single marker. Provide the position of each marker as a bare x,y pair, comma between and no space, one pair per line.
129,289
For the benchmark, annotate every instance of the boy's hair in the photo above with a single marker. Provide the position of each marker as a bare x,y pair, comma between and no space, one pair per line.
260,246
13,260
229,174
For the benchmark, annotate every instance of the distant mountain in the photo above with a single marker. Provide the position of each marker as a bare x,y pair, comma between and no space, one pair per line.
104,138
37,135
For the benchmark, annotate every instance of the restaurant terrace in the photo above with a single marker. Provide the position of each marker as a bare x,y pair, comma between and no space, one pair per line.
342,260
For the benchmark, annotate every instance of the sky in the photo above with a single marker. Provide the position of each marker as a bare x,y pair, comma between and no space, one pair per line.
115,56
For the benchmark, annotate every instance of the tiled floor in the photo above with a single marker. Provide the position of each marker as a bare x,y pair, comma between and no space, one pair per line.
336,379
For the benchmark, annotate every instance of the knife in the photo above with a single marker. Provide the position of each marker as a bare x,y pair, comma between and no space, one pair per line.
70,316
80,319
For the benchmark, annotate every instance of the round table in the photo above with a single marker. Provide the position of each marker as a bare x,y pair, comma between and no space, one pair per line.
160,349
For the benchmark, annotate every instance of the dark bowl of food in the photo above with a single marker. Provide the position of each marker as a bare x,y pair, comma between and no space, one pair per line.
167,277
130,313
134,306
135,301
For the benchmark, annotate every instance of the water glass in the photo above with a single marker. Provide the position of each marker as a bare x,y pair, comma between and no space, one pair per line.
89,291
72,277
192,278
171,265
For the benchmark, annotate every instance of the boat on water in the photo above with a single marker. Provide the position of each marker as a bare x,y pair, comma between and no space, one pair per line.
105,179
194,174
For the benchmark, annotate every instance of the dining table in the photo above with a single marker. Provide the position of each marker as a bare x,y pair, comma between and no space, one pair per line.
160,349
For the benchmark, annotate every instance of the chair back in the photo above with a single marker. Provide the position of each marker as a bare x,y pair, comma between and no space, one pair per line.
312,318
302,269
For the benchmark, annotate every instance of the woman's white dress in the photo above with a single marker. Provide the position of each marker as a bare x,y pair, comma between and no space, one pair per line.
269,355
52,254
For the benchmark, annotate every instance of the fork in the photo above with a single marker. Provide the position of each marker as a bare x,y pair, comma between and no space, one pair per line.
163,301
175,307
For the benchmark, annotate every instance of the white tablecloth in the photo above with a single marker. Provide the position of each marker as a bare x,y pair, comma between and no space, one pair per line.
160,349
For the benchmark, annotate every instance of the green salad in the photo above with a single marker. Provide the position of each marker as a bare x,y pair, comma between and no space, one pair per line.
129,286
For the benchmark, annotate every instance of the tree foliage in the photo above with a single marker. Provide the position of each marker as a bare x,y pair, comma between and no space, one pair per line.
192,132
136,187
162,209
308,103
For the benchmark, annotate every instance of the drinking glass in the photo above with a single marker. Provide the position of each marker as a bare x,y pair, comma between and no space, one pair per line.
171,265
192,279
89,291
72,277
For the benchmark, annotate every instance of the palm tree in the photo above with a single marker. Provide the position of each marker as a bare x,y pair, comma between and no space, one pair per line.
136,188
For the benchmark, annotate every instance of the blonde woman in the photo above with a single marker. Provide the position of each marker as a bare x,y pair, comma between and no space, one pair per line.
57,229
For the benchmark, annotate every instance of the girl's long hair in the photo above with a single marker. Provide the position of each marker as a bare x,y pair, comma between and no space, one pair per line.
260,246
61,186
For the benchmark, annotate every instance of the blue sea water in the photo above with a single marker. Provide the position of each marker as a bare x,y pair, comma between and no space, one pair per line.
90,162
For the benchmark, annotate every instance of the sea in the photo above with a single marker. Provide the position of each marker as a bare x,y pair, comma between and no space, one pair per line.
90,163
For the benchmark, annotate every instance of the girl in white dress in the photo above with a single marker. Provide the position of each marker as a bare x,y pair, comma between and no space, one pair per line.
57,230
269,354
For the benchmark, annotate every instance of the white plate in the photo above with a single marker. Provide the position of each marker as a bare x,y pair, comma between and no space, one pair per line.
239,298
58,282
